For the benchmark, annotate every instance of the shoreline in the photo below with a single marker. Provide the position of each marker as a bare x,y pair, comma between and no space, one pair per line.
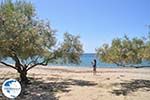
86,67
72,69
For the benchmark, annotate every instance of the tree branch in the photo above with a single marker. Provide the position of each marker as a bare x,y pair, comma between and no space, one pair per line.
16,59
8,65
36,65
44,63
33,61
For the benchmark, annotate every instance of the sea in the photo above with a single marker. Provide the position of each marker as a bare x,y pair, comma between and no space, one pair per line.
86,61
87,58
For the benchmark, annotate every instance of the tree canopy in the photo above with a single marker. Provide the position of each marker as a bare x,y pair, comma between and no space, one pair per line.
123,51
146,51
70,50
29,41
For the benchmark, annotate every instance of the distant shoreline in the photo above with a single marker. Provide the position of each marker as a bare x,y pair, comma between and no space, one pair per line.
87,67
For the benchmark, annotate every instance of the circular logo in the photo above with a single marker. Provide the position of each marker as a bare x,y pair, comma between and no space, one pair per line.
11,88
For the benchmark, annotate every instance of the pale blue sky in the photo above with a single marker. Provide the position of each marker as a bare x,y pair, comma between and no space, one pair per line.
96,21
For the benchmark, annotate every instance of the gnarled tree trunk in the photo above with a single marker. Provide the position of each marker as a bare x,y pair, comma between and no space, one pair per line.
23,76
23,73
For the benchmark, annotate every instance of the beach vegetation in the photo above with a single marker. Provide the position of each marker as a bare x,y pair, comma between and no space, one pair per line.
123,51
29,41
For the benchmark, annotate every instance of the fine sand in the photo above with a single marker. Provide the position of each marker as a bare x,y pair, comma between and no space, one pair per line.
63,83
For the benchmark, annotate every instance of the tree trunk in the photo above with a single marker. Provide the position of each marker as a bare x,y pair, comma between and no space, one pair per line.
22,71
23,77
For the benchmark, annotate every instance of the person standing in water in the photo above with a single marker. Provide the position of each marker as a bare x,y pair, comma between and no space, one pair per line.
94,66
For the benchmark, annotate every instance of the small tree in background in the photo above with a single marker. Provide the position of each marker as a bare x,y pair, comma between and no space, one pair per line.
146,51
122,52
29,41
71,49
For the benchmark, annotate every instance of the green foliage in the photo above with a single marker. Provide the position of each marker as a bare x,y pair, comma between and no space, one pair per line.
21,34
71,49
25,38
146,52
30,41
123,51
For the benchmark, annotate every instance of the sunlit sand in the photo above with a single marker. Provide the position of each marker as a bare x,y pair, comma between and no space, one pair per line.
64,83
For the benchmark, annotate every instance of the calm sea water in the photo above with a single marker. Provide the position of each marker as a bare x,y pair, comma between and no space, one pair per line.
86,60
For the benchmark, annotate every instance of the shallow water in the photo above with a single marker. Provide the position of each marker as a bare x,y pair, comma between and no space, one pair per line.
86,60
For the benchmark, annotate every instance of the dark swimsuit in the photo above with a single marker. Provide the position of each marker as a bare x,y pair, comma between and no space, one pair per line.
94,66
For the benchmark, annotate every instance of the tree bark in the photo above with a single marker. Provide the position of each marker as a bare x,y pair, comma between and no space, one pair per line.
23,77
22,70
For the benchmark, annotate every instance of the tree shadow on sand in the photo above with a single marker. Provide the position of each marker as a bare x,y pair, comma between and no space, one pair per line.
38,89
132,86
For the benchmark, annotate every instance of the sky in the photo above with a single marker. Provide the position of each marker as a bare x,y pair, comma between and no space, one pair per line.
96,21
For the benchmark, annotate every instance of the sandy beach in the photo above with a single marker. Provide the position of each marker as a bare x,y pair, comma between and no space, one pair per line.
64,83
